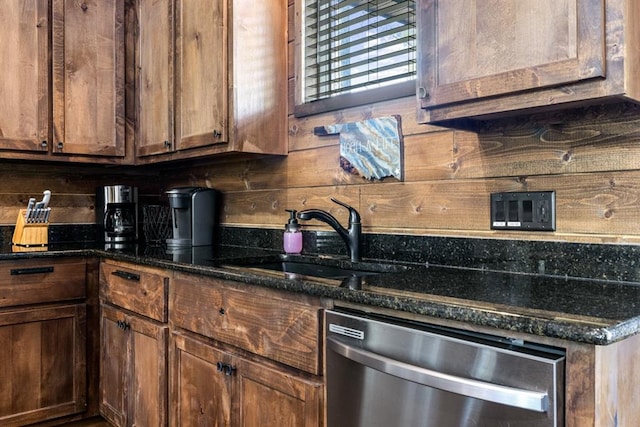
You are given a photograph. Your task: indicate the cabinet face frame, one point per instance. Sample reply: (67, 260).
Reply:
(587, 63)
(88, 86)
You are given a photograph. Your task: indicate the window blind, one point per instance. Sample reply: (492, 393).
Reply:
(357, 45)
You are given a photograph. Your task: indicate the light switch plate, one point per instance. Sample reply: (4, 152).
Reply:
(526, 210)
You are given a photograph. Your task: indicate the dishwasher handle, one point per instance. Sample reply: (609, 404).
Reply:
(519, 398)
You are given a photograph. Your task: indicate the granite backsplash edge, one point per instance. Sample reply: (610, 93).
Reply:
(615, 262)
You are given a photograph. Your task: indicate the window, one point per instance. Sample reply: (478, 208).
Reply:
(356, 51)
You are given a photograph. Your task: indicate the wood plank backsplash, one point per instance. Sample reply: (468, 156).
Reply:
(590, 157)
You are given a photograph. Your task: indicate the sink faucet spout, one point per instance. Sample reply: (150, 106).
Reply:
(350, 235)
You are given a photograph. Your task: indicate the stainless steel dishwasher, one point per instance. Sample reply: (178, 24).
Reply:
(387, 372)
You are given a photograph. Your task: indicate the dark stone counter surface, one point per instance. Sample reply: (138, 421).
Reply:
(596, 310)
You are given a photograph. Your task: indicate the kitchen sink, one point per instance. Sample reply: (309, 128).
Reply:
(315, 270)
(298, 266)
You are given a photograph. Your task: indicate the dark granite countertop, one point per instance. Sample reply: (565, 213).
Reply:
(577, 309)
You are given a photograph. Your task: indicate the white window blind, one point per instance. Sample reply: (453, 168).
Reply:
(357, 45)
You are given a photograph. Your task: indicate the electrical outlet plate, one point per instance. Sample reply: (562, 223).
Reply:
(527, 210)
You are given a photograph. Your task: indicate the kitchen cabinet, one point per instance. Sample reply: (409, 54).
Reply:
(63, 80)
(212, 386)
(43, 369)
(481, 61)
(88, 77)
(255, 360)
(24, 110)
(134, 340)
(212, 78)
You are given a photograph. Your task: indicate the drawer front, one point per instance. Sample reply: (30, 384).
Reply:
(135, 288)
(258, 320)
(36, 281)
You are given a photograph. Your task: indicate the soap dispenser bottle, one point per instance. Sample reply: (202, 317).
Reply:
(292, 234)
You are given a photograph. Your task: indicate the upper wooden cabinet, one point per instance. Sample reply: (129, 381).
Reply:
(62, 82)
(24, 41)
(88, 77)
(478, 60)
(155, 52)
(212, 78)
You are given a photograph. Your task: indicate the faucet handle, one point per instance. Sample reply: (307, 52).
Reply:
(354, 216)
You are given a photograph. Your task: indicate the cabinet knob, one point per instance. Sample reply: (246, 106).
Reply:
(167, 145)
(423, 93)
(225, 368)
(222, 311)
(217, 133)
(44, 145)
(123, 325)
(60, 145)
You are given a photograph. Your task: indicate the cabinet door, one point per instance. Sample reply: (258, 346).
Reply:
(274, 398)
(201, 394)
(471, 50)
(155, 68)
(115, 352)
(201, 73)
(148, 387)
(24, 40)
(88, 77)
(133, 377)
(42, 364)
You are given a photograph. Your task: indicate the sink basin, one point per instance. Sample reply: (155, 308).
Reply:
(315, 270)
(295, 266)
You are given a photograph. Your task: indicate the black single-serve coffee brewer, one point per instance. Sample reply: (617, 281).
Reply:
(193, 215)
(117, 215)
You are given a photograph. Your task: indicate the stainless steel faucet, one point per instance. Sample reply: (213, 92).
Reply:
(350, 235)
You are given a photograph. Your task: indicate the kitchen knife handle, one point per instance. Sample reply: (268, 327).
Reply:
(31, 270)
(126, 275)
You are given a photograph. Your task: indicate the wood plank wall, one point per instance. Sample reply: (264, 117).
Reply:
(591, 157)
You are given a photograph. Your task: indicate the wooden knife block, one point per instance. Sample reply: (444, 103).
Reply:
(29, 236)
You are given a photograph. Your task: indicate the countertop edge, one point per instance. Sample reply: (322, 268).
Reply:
(553, 328)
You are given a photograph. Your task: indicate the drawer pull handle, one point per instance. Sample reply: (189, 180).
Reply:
(225, 368)
(32, 270)
(126, 275)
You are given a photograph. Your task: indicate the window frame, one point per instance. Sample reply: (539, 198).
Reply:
(342, 101)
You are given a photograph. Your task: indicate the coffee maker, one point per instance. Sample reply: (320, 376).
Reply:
(117, 215)
(193, 214)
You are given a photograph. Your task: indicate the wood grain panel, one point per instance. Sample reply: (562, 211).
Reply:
(45, 355)
(263, 322)
(66, 281)
(301, 129)
(584, 145)
(267, 208)
(598, 204)
(135, 288)
(232, 175)
(24, 111)
(259, 77)
(88, 77)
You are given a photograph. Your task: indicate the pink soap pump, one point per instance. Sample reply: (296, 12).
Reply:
(292, 234)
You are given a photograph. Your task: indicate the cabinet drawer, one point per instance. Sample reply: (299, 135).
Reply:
(37, 281)
(135, 288)
(262, 321)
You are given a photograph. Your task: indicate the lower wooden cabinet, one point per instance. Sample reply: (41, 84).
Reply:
(43, 369)
(133, 370)
(211, 386)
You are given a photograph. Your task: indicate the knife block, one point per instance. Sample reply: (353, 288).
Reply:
(30, 236)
